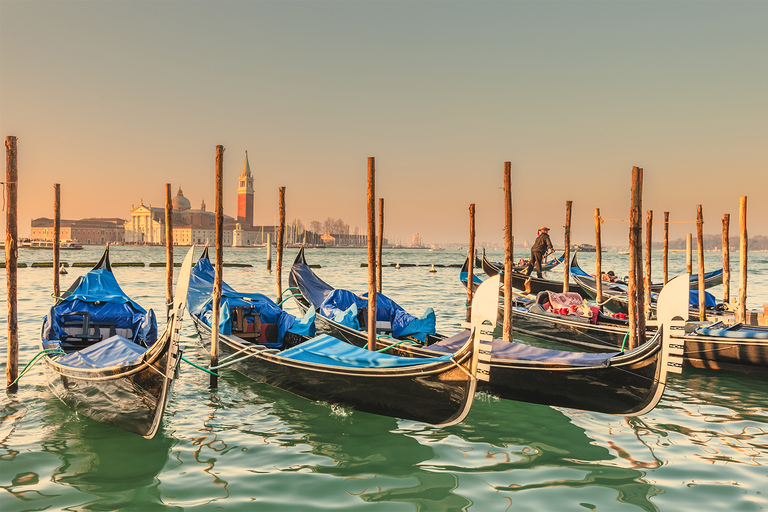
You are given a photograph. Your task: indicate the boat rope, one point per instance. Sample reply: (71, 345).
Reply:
(38, 357)
(394, 344)
(289, 297)
(602, 219)
(462, 368)
(252, 354)
(625, 340)
(61, 298)
(198, 367)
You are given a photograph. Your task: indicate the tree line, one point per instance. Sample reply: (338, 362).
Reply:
(712, 242)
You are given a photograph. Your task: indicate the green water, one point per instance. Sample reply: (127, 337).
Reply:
(246, 446)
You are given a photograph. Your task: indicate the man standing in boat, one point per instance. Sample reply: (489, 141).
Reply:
(541, 246)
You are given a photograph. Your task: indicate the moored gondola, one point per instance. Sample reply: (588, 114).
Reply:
(531, 284)
(626, 383)
(103, 355)
(491, 268)
(267, 344)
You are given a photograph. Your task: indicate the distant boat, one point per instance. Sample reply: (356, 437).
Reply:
(48, 244)
(584, 248)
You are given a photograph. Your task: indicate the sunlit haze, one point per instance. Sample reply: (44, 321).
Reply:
(114, 99)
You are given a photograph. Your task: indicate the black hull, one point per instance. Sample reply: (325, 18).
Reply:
(439, 393)
(535, 285)
(132, 398)
(716, 353)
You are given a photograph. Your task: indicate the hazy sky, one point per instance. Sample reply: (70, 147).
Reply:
(113, 99)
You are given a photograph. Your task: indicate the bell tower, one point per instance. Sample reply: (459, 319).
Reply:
(245, 195)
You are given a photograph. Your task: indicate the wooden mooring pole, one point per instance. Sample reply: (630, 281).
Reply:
(648, 252)
(471, 258)
(217, 280)
(371, 253)
(509, 250)
(741, 315)
(280, 235)
(269, 252)
(700, 244)
(11, 261)
(598, 258)
(379, 244)
(689, 253)
(56, 236)
(666, 247)
(567, 257)
(726, 258)
(636, 296)
(168, 250)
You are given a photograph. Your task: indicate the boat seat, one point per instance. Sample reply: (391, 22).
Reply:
(72, 327)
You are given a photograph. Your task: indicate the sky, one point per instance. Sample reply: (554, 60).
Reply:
(115, 99)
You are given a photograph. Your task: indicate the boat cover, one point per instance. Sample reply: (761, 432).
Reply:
(99, 294)
(314, 288)
(463, 278)
(507, 351)
(199, 298)
(719, 330)
(343, 306)
(114, 351)
(326, 350)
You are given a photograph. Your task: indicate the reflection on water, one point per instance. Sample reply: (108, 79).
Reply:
(249, 446)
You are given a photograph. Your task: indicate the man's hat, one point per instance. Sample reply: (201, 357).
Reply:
(544, 228)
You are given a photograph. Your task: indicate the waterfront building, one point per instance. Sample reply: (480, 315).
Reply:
(84, 231)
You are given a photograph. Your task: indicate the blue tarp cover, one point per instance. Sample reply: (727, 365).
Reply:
(101, 296)
(329, 351)
(200, 304)
(744, 331)
(463, 278)
(114, 351)
(519, 351)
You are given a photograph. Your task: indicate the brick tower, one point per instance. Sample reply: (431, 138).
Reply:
(245, 195)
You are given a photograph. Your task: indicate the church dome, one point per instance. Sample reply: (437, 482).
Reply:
(180, 202)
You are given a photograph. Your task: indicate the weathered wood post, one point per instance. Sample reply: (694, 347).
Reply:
(689, 253)
(471, 258)
(509, 249)
(269, 251)
(636, 308)
(168, 250)
(379, 244)
(648, 251)
(567, 257)
(217, 280)
(11, 260)
(280, 235)
(726, 259)
(743, 246)
(700, 243)
(371, 254)
(598, 258)
(56, 236)
(666, 247)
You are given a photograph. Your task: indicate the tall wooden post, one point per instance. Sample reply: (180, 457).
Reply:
(11, 260)
(56, 236)
(217, 280)
(598, 258)
(269, 252)
(743, 246)
(636, 307)
(168, 250)
(371, 254)
(648, 253)
(509, 250)
(567, 257)
(726, 258)
(666, 247)
(280, 235)
(689, 253)
(471, 258)
(700, 243)
(379, 244)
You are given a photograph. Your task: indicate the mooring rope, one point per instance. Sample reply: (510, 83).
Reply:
(289, 297)
(394, 344)
(198, 367)
(38, 357)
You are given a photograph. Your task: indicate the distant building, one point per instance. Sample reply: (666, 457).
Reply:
(84, 231)
(198, 226)
(416, 240)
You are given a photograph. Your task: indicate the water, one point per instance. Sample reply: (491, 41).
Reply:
(252, 447)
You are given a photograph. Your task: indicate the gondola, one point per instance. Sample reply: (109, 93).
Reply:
(103, 355)
(616, 295)
(728, 347)
(540, 317)
(491, 268)
(267, 344)
(530, 283)
(625, 383)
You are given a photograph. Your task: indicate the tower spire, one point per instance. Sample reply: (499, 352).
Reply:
(246, 167)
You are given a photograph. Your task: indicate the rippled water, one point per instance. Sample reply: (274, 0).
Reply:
(249, 446)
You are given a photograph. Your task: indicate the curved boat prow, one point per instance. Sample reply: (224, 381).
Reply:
(672, 312)
(485, 306)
